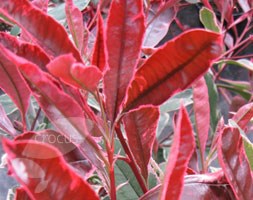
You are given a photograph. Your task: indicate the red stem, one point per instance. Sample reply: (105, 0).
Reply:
(110, 153)
(132, 162)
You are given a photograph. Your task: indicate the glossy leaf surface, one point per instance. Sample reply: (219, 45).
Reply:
(244, 115)
(173, 67)
(26, 50)
(125, 30)
(44, 174)
(202, 113)
(234, 163)
(53, 39)
(158, 24)
(99, 55)
(181, 151)
(140, 127)
(60, 108)
(13, 83)
(198, 187)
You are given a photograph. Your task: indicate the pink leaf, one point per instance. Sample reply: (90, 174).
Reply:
(125, 30)
(173, 67)
(235, 164)
(181, 151)
(13, 83)
(99, 55)
(53, 39)
(76, 74)
(43, 173)
(75, 23)
(244, 115)
(26, 50)
(5, 123)
(140, 126)
(202, 113)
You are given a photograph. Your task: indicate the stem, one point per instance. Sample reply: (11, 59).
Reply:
(157, 169)
(132, 162)
(109, 143)
(110, 153)
(35, 119)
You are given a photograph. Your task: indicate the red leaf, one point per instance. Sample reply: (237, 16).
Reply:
(202, 113)
(75, 23)
(26, 50)
(244, 115)
(21, 194)
(125, 30)
(87, 76)
(234, 163)
(181, 151)
(198, 187)
(44, 174)
(60, 108)
(140, 127)
(76, 74)
(68, 150)
(98, 55)
(159, 21)
(5, 123)
(13, 84)
(48, 33)
(173, 67)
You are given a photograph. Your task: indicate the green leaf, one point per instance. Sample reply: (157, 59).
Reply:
(248, 147)
(8, 104)
(208, 19)
(174, 102)
(124, 176)
(247, 64)
(15, 30)
(244, 93)
(213, 99)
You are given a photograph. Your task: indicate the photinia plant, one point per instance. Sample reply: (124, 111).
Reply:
(94, 95)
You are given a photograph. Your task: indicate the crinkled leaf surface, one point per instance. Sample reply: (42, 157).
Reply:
(76, 74)
(53, 39)
(234, 163)
(44, 174)
(140, 126)
(181, 151)
(125, 30)
(173, 67)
